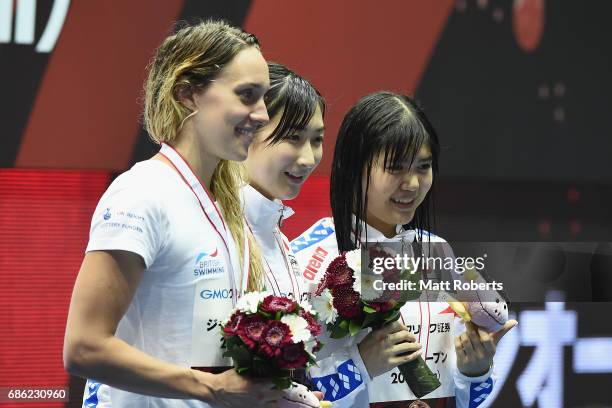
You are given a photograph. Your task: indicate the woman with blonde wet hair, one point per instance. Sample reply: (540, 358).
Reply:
(170, 231)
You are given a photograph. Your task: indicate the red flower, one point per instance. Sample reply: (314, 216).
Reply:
(251, 330)
(346, 301)
(313, 325)
(276, 336)
(389, 300)
(275, 304)
(233, 325)
(329, 280)
(317, 347)
(341, 277)
(383, 306)
(293, 356)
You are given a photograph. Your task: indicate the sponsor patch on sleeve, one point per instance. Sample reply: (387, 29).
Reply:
(338, 385)
(323, 229)
(479, 392)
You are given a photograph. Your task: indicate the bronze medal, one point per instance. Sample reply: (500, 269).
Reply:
(418, 404)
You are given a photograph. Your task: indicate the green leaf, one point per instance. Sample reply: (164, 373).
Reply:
(344, 324)
(415, 277)
(368, 309)
(371, 320)
(393, 317)
(339, 330)
(354, 327)
(419, 377)
(241, 356)
(281, 383)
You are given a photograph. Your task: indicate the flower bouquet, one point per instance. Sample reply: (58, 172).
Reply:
(270, 336)
(347, 309)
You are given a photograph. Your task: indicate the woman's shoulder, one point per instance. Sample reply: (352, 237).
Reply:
(149, 173)
(147, 179)
(148, 187)
(315, 248)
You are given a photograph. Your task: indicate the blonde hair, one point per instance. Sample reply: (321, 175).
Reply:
(227, 177)
(191, 58)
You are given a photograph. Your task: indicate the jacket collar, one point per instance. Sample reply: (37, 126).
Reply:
(373, 234)
(262, 213)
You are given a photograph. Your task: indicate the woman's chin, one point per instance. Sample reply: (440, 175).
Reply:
(404, 219)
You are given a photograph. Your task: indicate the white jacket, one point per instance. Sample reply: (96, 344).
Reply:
(264, 216)
(343, 378)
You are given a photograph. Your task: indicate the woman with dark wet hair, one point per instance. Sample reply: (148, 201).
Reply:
(383, 173)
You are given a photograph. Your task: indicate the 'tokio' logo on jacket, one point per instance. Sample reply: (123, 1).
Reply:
(208, 265)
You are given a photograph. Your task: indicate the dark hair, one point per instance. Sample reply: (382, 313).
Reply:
(381, 125)
(295, 96)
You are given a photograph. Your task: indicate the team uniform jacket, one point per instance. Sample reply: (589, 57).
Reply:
(282, 274)
(342, 376)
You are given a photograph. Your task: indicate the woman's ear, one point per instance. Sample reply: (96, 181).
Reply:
(183, 94)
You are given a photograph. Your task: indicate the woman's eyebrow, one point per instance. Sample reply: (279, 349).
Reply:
(296, 129)
(255, 85)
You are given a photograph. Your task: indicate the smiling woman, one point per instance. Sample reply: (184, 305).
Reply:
(282, 156)
(397, 192)
(389, 137)
(137, 322)
(290, 147)
(384, 166)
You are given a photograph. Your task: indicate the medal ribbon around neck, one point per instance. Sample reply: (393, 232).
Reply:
(205, 200)
(287, 266)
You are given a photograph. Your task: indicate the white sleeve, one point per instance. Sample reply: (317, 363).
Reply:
(129, 219)
(340, 373)
(472, 392)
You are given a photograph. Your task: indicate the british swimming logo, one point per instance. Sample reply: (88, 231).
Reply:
(107, 214)
(208, 265)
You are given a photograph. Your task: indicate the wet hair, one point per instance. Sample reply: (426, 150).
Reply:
(295, 97)
(191, 58)
(382, 126)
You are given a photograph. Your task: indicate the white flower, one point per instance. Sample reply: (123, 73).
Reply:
(363, 278)
(353, 260)
(249, 302)
(298, 326)
(357, 282)
(369, 293)
(325, 307)
(307, 307)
